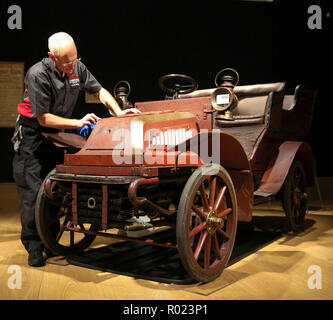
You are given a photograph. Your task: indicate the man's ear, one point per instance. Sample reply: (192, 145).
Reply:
(51, 55)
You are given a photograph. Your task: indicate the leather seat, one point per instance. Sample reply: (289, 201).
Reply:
(252, 105)
(252, 90)
(259, 107)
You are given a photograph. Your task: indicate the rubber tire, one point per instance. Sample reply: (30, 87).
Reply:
(286, 199)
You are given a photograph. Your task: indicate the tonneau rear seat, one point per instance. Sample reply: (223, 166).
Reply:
(297, 111)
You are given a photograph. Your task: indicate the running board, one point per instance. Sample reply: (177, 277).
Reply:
(263, 193)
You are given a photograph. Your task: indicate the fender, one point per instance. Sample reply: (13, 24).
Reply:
(277, 170)
(216, 147)
(65, 140)
(227, 151)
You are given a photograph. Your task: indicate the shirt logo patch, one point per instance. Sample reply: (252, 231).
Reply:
(74, 80)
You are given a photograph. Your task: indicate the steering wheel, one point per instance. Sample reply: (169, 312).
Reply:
(175, 84)
(227, 74)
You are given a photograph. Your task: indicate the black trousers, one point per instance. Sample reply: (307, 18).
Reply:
(35, 158)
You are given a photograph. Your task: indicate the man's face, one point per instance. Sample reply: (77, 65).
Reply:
(66, 60)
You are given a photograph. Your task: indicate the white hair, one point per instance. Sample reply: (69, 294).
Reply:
(58, 40)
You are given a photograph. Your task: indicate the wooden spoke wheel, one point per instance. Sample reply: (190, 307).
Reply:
(295, 196)
(51, 222)
(207, 222)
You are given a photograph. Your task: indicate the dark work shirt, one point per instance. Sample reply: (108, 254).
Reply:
(46, 91)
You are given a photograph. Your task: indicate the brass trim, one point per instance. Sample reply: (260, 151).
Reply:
(147, 118)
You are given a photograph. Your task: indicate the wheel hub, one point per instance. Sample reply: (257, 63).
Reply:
(213, 222)
(299, 196)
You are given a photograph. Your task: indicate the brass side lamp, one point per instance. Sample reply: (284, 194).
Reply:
(223, 98)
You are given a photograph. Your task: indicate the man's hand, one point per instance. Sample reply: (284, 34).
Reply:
(128, 111)
(87, 119)
(107, 99)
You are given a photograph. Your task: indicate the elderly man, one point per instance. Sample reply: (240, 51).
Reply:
(51, 90)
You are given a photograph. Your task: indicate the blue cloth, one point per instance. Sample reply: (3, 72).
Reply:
(86, 130)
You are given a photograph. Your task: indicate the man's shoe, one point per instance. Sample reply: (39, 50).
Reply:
(36, 259)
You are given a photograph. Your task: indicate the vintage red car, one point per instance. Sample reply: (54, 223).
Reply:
(194, 161)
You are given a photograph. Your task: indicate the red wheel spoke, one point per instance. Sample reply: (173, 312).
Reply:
(200, 244)
(223, 233)
(59, 234)
(219, 198)
(197, 229)
(212, 192)
(207, 252)
(293, 211)
(199, 212)
(62, 229)
(216, 247)
(297, 220)
(204, 197)
(299, 215)
(224, 213)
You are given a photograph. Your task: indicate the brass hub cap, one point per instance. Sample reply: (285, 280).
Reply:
(299, 196)
(213, 222)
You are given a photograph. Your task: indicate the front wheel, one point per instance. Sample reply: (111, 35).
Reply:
(51, 222)
(207, 222)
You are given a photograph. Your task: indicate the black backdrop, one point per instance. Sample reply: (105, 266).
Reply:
(139, 41)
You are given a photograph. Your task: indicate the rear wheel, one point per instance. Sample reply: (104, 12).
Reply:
(207, 222)
(294, 197)
(51, 222)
